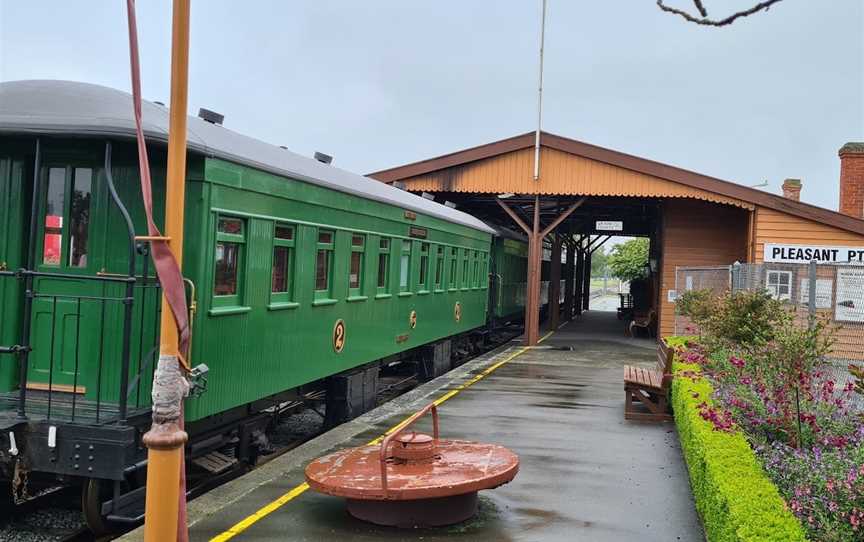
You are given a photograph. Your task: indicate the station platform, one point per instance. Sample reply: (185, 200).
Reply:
(585, 473)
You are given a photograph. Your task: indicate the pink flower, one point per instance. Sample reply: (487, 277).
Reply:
(736, 361)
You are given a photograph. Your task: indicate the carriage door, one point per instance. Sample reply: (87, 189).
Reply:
(65, 328)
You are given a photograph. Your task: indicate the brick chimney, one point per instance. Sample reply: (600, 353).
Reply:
(792, 189)
(852, 179)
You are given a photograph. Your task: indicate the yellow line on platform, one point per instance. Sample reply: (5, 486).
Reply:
(268, 509)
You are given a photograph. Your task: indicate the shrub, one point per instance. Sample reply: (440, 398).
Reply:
(698, 305)
(734, 497)
(734, 318)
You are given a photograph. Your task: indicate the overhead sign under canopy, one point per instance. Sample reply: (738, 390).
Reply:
(783, 253)
(609, 225)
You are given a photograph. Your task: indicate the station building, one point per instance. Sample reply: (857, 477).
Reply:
(583, 193)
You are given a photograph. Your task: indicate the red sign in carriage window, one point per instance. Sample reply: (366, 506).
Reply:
(53, 240)
(55, 203)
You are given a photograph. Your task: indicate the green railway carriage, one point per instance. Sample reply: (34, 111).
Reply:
(297, 271)
(308, 257)
(509, 282)
(509, 277)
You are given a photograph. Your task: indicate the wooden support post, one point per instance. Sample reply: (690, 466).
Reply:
(580, 276)
(586, 281)
(532, 302)
(535, 253)
(532, 286)
(555, 283)
(568, 281)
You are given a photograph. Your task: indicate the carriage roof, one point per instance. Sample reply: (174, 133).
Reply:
(74, 108)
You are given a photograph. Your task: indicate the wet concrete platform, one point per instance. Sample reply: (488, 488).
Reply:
(585, 474)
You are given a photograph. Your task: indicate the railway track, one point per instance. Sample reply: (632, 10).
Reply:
(56, 516)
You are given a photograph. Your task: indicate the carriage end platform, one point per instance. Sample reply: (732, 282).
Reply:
(585, 472)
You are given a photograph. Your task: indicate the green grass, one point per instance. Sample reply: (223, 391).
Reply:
(735, 498)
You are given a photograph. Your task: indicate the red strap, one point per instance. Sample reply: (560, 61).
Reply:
(166, 265)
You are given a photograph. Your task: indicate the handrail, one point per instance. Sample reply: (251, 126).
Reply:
(385, 444)
(127, 219)
(130, 283)
(23, 360)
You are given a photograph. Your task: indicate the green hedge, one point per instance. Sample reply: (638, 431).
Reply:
(734, 496)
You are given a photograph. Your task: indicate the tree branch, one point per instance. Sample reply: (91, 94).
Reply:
(701, 8)
(704, 20)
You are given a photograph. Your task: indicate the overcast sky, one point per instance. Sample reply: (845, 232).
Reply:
(382, 83)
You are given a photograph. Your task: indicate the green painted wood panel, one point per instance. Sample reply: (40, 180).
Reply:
(14, 202)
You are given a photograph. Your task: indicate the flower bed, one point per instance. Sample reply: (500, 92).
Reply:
(756, 401)
(734, 497)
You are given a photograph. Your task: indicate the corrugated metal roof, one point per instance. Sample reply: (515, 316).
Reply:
(73, 108)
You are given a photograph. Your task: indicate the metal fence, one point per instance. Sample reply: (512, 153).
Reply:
(838, 297)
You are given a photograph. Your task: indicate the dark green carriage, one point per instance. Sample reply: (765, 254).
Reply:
(309, 258)
(300, 270)
(509, 266)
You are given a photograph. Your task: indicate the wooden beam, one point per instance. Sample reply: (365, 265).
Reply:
(603, 242)
(514, 216)
(563, 216)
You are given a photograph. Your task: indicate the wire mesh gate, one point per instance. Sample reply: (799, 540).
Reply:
(838, 297)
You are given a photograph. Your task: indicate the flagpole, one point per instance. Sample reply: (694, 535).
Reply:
(539, 93)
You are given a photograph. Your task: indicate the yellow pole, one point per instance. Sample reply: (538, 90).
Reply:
(165, 439)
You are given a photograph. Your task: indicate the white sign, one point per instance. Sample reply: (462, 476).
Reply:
(782, 253)
(609, 225)
(849, 306)
(824, 289)
(671, 296)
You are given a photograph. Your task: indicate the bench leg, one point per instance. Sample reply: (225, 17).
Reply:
(657, 405)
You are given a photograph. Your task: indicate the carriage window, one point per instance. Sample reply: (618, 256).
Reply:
(405, 266)
(466, 281)
(227, 255)
(475, 282)
(55, 203)
(355, 269)
(424, 266)
(230, 238)
(439, 267)
(232, 226)
(454, 260)
(281, 257)
(284, 233)
(323, 264)
(383, 265)
(79, 217)
(283, 248)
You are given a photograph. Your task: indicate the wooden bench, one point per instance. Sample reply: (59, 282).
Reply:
(645, 322)
(649, 388)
